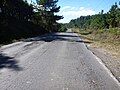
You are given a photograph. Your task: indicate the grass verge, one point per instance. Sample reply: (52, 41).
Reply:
(106, 46)
(106, 39)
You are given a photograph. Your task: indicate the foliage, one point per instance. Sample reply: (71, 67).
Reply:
(18, 19)
(102, 20)
(62, 28)
(46, 13)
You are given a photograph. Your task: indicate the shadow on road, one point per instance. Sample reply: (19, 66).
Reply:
(9, 62)
(70, 37)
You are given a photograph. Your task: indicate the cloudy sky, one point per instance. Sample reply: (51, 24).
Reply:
(72, 9)
(70, 12)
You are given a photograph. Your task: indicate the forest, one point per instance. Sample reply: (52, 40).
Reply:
(102, 29)
(108, 20)
(20, 19)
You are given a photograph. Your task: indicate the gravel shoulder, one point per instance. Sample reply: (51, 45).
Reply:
(110, 58)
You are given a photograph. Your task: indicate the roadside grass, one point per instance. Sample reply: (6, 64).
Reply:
(108, 39)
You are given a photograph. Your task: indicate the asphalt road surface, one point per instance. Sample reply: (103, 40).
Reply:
(59, 61)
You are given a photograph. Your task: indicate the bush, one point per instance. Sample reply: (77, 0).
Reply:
(62, 28)
(115, 31)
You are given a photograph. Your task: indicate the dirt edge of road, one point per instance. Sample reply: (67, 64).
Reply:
(110, 60)
(106, 67)
(107, 52)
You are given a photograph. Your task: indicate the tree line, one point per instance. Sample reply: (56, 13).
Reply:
(111, 19)
(19, 19)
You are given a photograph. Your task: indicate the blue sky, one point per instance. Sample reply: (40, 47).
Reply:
(72, 9)
(97, 5)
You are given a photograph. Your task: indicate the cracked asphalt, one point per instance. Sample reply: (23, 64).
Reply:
(58, 61)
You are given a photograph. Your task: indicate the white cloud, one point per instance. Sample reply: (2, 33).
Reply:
(29, 1)
(72, 13)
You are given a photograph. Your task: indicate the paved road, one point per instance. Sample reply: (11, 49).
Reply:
(59, 61)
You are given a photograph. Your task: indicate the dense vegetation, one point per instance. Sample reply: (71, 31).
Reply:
(102, 29)
(18, 19)
(111, 19)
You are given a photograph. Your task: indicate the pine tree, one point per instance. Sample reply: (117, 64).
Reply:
(113, 16)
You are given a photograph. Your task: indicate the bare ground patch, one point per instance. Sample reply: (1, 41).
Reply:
(109, 53)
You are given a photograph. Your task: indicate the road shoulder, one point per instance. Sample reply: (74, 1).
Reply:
(109, 53)
(111, 61)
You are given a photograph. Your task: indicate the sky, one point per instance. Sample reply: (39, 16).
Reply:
(72, 9)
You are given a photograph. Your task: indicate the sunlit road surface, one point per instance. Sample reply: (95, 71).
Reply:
(59, 61)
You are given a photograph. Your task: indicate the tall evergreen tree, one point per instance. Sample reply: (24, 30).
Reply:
(113, 16)
(48, 8)
(111, 19)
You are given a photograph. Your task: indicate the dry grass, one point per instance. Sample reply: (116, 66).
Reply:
(105, 40)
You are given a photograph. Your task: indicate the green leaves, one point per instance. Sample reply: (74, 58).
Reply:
(102, 20)
(41, 2)
(48, 18)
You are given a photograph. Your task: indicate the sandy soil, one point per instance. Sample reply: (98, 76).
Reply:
(109, 56)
